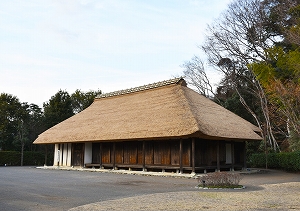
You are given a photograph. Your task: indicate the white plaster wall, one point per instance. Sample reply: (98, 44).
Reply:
(69, 155)
(55, 155)
(88, 153)
(228, 154)
(60, 155)
(65, 154)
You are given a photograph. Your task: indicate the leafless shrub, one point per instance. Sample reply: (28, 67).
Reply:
(220, 180)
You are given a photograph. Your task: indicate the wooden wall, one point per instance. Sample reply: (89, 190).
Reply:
(156, 152)
(166, 153)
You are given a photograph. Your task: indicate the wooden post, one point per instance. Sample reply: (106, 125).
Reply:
(100, 156)
(232, 156)
(218, 155)
(245, 156)
(180, 156)
(114, 155)
(136, 154)
(193, 155)
(46, 154)
(123, 153)
(144, 159)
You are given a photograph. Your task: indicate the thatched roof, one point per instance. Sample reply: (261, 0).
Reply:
(162, 110)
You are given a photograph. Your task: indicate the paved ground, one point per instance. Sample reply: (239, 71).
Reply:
(29, 188)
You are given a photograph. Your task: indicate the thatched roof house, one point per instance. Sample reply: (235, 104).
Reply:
(162, 111)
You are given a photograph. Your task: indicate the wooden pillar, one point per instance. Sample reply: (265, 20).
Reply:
(123, 144)
(232, 156)
(245, 155)
(144, 159)
(180, 156)
(193, 155)
(218, 155)
(114, 156)
(46, 154)
(137, 153)
(100, 155)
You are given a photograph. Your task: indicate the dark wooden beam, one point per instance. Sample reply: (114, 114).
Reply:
(82, 154)
(144, 157)
(232, 156)
(245, 155)
(72, 154)
(100, 152)
(218, 155)
(136, 153)
(123, 152)
(46, 153)
(114, 155)
(180, 156)
(193, 155)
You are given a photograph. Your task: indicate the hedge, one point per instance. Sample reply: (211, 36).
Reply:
(13, 158)
(289, 161)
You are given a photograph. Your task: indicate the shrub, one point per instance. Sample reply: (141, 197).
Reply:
(289, 161)
(30, 158)
(220, 180)
(10, 158)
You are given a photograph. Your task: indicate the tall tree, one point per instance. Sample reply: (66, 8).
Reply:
(11, 112)
(81, 100)
(279, 73)
(240, 37)
(36, 122)
(196, 76)
(58, 108)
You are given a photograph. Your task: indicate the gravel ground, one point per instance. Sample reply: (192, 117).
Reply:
(261, 194)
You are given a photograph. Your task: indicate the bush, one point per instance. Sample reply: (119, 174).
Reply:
(13, 158)
(289, 161)
(220, 180)
(10, 158)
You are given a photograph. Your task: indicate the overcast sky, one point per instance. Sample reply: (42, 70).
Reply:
(47, 45)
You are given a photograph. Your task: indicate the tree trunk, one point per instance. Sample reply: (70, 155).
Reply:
(22, 153)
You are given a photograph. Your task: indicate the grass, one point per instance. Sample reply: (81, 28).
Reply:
(220, 186)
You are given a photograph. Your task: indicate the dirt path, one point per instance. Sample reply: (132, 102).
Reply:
(271, 190)
(281, 197)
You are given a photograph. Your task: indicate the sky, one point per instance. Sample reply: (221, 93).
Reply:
(52, 45)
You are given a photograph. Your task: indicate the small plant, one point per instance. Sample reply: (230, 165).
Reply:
(220, 180)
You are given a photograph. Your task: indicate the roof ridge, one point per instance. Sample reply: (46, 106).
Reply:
(141, 88)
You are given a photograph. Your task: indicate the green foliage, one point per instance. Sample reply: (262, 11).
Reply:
(294, 141)
(58, 108)
(259, 160)
(13, 115)
(233, 104)
(82, 100)
(13, 158)
(289, 161)
(281, 65)
(280, 78)
(62, 105)
(21, 123)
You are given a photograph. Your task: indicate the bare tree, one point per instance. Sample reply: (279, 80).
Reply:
(196, 76)
(240, 37)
